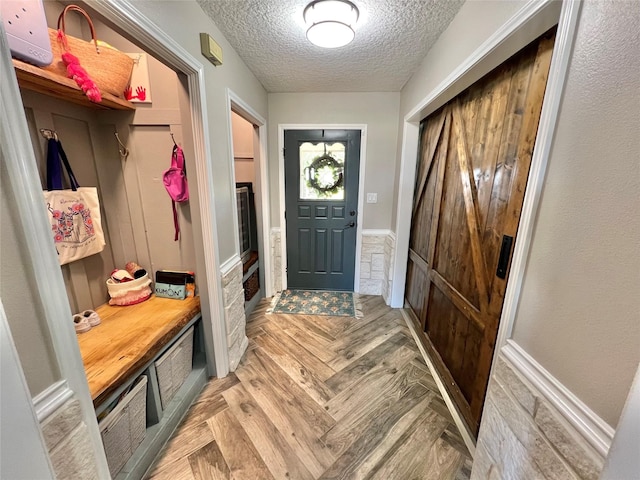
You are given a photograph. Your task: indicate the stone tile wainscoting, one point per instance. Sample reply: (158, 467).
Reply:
(523, 435)
(376, 262)
(233, 294)
(66, 436)
(276, 260)
(389, 251)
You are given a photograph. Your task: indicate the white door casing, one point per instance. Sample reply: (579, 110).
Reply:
(238, 105)
(23, 454)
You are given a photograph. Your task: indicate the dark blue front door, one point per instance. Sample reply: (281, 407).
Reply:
(321, 191)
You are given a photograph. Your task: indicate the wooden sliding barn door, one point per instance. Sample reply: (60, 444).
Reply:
(472, 172)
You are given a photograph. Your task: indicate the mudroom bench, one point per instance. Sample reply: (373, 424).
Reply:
(152, 353)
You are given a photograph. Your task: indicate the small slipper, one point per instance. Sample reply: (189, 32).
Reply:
(81, 323)
(92, 317)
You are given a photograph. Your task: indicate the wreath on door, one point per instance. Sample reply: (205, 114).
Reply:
(325, 175)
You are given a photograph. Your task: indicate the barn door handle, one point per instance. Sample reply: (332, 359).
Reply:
(505, 254)
(350, 225)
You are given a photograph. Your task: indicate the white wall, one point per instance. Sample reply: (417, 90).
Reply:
(183, 21)
(579, 308)
(379, 111)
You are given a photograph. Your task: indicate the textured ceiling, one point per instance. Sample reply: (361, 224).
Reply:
(392, 38)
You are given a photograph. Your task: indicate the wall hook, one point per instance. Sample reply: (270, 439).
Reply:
(48, 133)
(124, 151)
(172, 138)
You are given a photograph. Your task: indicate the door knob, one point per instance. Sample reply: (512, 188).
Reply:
(350, 225)
(352, 213)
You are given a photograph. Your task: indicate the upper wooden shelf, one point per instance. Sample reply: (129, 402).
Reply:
(128, 338)
(38, 80)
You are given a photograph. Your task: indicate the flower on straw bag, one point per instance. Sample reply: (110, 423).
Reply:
(74, 214)
(95, 68)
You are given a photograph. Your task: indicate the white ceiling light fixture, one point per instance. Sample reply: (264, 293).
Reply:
(330, 22)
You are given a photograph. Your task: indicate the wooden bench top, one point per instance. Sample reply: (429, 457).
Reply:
(128, 338)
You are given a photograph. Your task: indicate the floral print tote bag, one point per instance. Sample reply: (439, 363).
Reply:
(74, 214)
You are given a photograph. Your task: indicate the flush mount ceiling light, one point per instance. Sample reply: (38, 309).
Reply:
(330, 22)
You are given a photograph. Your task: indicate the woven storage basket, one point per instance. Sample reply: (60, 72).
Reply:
(251, 285)
(174, 367)
(125, 427)
(108, 68)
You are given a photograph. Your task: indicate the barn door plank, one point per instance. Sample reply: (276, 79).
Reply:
(423, 205)
(433, 232)
(466, 308)
(428, 164)
(531, 119)
(470, 196)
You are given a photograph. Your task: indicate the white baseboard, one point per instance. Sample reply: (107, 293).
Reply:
(49, 401)
(586, 422)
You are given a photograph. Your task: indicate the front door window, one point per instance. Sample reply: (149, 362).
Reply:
(322, 171)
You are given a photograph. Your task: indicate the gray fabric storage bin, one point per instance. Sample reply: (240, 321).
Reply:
(174, 367)
(124, 428)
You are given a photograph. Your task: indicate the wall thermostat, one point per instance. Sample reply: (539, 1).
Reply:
(210, 49)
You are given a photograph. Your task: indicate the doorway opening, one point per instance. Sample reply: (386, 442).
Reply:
(321, 189)
(251, 202)
(280, 254)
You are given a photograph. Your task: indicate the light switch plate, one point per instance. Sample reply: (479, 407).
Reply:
(372, 198)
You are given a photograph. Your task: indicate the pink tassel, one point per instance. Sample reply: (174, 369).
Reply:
(81, 77)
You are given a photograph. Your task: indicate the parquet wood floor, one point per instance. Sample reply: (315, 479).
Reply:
(319, 397)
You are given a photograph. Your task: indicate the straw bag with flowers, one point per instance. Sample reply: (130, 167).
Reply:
(94, 67)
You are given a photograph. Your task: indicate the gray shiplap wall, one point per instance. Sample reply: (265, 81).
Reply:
(136, 210)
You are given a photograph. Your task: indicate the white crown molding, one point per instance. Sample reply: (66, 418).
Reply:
(230, 264)
(586, 422)
(50, 400)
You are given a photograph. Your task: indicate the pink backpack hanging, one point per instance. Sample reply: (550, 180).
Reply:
(175, 181)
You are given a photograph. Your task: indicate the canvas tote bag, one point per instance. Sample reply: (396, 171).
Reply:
(74, 214)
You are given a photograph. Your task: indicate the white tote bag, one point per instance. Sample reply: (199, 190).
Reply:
(74, 214)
